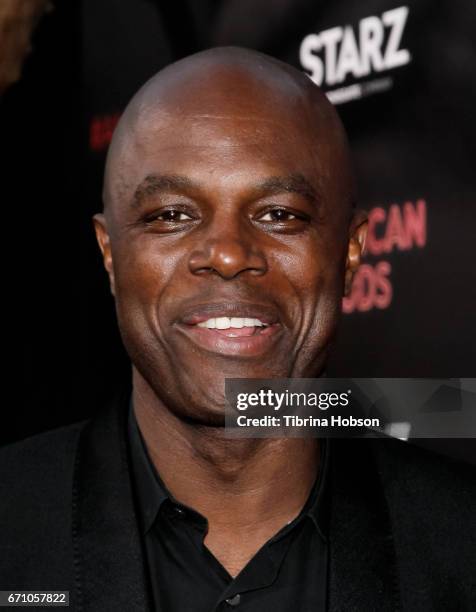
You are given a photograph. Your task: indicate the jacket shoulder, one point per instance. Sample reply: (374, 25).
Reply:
(38, 460)
(36, 489)
(431, 501)
(412, 470)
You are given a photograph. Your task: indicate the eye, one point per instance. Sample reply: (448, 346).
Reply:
(166, 220)
(171, 215)
(279, 214)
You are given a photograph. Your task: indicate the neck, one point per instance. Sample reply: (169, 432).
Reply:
(247, 489)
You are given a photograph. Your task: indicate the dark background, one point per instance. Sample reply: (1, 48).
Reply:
(412, 142)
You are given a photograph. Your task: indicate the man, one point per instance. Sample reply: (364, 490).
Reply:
(229, 235)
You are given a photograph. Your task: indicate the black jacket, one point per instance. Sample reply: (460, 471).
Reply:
(402, 531)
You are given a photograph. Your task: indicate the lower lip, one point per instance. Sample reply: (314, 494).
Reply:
(245, 346)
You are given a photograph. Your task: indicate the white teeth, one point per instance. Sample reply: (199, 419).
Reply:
(235, 322)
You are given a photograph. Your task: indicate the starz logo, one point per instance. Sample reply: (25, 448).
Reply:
(337, 54)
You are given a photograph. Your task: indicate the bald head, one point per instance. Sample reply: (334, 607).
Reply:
(234, 88)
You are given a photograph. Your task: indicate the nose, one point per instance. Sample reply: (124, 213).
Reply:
(227, 256)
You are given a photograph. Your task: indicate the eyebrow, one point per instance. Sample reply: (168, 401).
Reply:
(160, 183)
(293, 183)
(163, 183)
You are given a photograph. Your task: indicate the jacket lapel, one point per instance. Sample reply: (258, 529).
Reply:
(109, 566)
(362, 564)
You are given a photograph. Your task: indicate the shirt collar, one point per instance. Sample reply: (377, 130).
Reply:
(152, 493)
(150, 490)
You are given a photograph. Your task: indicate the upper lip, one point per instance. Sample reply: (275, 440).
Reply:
(202, 312)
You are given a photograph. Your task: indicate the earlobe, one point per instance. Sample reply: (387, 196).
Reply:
(358, 235)
(102, 236)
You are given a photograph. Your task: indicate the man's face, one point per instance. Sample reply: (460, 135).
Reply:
(226, 252)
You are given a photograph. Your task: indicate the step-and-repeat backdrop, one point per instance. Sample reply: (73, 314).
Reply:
(402, 76)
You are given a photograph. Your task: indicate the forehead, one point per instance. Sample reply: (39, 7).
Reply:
(209, 145)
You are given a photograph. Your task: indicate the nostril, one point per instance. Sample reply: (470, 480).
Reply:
(257, 272)
(203, 270)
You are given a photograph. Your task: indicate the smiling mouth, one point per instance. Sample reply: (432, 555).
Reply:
(233, 336)
(235, 327)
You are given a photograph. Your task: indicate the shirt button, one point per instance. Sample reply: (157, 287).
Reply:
(179, 511)
(234, 601)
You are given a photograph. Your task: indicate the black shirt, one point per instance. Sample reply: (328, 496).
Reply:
(288, 573)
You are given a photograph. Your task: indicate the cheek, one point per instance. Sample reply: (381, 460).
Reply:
(321, 304)
(326, 287)
(141, 270)
(315, 281)
(313, 270)
(141, 276)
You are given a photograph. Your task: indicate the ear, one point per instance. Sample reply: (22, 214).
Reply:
(102, 236)
(357, 237)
